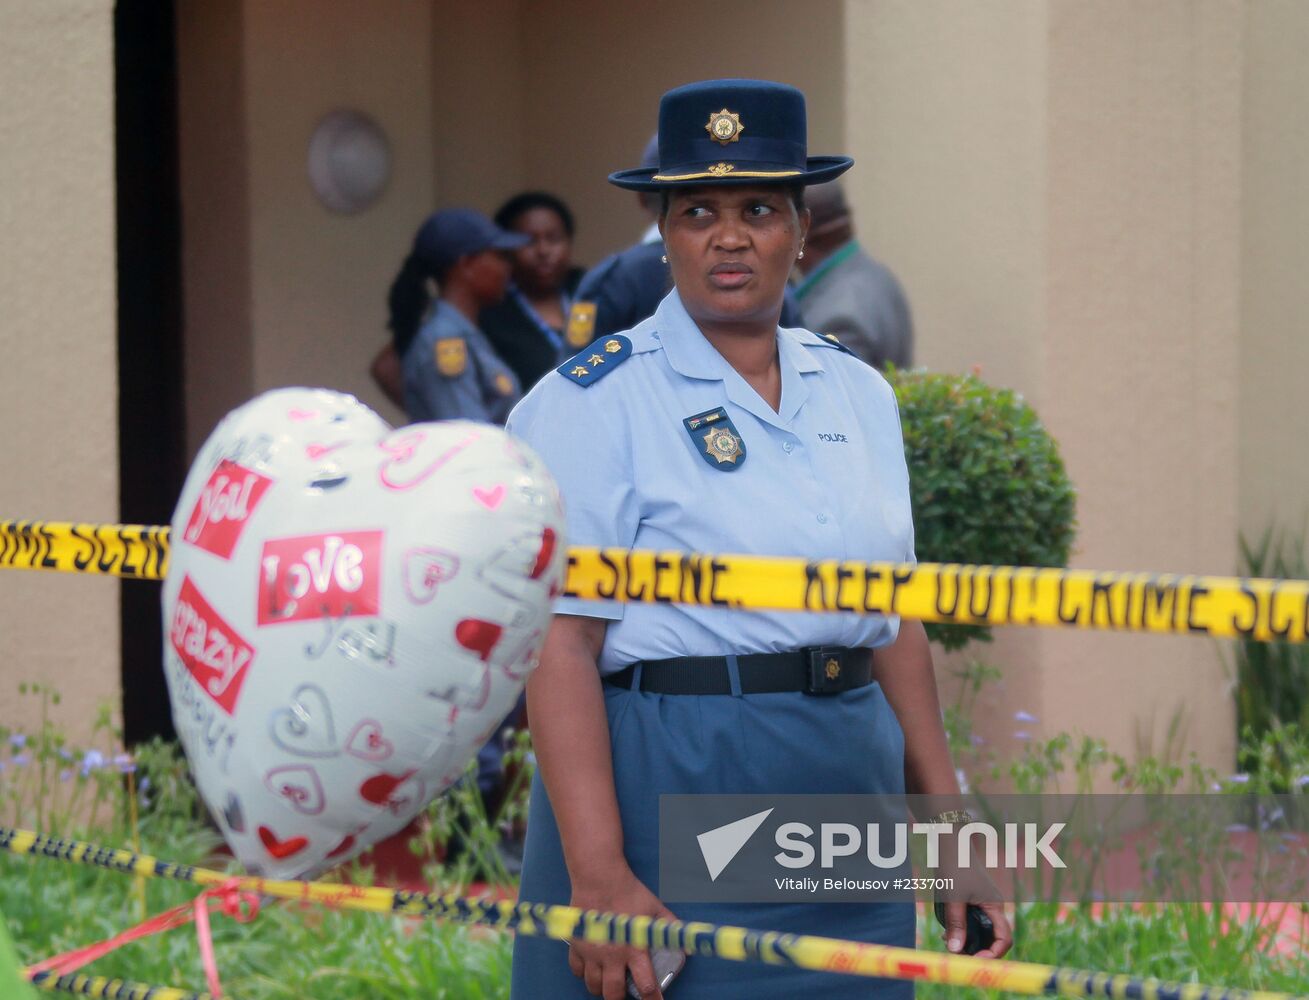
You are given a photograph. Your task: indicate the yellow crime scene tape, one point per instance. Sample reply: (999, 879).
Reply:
(1218, 606)
(737, 944)
(109, 988)
(134, 551)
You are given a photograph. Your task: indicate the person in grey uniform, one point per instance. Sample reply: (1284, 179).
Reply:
(710, 428)
(627, 287)
(450, 369)
(845, 292)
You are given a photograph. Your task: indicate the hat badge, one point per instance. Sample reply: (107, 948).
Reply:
(724, 126)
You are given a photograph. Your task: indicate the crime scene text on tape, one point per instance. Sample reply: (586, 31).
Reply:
(133, 551)
(1219, 606)
(564, 923)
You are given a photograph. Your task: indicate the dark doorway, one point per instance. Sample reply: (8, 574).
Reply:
(151, 430)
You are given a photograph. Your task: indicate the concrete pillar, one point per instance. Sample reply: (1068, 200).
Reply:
(1274, 265)
(1059, 185)
(59, 410)
(278, 289)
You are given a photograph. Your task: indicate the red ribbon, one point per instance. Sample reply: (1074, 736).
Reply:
(240, 906)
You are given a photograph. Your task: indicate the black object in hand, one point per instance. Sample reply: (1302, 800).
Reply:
(979, 932)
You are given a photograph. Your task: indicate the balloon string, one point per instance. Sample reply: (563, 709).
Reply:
(227, 897)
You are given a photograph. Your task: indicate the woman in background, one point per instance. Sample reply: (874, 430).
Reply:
(449, 369)
(527, 328)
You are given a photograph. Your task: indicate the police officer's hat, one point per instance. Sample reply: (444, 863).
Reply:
(452, 233)
(732, 132)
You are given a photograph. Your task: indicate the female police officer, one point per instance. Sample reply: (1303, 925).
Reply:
(708, 428)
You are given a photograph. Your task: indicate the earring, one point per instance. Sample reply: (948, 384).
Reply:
(664, 258)
(800, 256)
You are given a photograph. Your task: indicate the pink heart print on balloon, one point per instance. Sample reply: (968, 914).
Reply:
(348, 610)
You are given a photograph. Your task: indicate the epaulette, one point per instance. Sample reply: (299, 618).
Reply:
(596, 361)
(833, 342)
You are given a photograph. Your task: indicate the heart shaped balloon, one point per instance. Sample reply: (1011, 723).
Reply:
(349, 612)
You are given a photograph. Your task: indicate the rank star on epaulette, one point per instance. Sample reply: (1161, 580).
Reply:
(596, 360)
(716, 440)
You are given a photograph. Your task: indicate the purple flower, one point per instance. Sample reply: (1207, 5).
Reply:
(144, 783)
(93, 760)
(18, 741)
(1023, 735)
(124, 763)
(22, 760)
(976, 740)
(1239, 779)
(1021, 716)
(65, 753)
(1303, 780)
(65, 775)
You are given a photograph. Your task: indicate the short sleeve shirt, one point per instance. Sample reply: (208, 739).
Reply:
(451, 372)
(823, 477)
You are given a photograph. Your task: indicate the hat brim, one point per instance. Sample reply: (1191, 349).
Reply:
(509, 241)
(817, 170)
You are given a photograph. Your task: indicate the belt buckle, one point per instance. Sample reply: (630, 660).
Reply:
(827, 670)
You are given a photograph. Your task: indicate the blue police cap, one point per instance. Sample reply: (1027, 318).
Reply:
(452, 233)
(732, 132)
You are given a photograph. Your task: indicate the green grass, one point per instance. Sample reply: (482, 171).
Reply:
(1181, 942)
(297, 950)
(291, 950)
(288, 950)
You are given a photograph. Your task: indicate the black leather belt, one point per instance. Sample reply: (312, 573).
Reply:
(813, 670)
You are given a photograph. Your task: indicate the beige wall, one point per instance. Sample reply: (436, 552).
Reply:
(947, 127)
(59, 406)
(278, 290)
(479, 78)
(1141, 348)
(1274, 409)
(319, 279)
(1058, 185)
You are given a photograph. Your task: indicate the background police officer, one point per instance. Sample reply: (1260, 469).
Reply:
(450, 369)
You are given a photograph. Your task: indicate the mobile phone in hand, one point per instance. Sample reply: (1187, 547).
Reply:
(979, 932)
(667, 964)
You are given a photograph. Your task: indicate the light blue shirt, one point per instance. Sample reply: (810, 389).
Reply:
(484, 387)
(824, 477)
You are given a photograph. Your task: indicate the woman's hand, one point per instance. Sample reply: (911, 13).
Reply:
(956, 928)
(603, 967)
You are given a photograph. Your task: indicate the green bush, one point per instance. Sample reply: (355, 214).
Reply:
(986, 480)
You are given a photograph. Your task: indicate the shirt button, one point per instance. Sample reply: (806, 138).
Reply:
(788, 446)
(822, 518)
